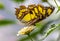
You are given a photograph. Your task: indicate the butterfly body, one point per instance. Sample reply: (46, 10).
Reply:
(33, 13)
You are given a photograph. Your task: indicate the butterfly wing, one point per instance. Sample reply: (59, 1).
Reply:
(32, 14)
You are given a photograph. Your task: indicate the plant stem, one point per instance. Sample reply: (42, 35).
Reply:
(56, 3)
(30, 37)
(57, 6)
(49, 32)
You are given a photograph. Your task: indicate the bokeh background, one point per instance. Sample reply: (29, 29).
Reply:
(9, 25)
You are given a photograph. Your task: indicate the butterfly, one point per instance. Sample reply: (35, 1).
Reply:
(33, 13)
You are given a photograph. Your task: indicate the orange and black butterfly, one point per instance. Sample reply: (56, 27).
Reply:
(33, 13)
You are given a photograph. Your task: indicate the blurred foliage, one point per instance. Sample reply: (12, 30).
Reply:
(58, 9)
(6, 22)
(1, 6)
(57, 6)
(52, 28)
(18, 1)
(53, 25)
(44, 0)
(38, 25)
(39, 30)
(58, 26)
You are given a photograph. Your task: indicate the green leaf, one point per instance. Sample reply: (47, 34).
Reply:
(44, 0)
(58, 9)
(18, 1)
(57, 6)
(53, 27)
(6, 22)
(58, 26)
(50, 30)
(38, 25)
(1, 6)
(38, 30)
